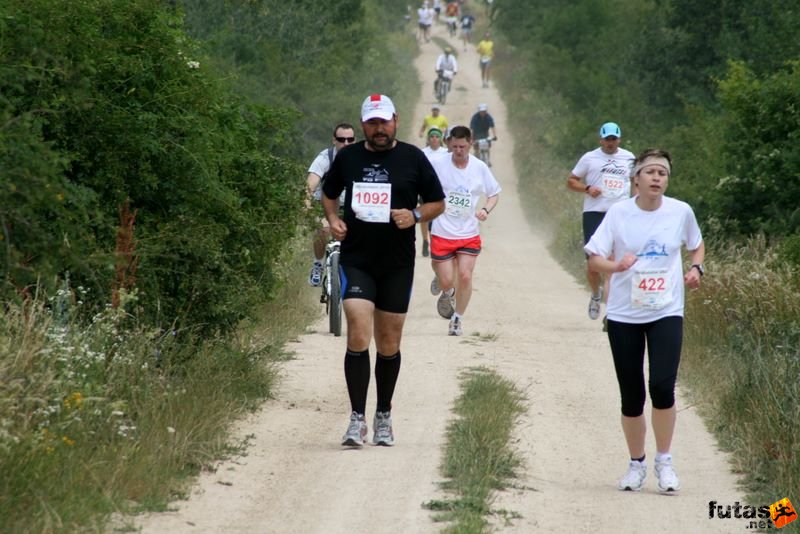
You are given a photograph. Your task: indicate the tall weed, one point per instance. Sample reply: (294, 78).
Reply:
(742, 336)
(110, 416)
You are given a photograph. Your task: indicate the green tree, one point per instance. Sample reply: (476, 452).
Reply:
(760, 191)
(121, 106)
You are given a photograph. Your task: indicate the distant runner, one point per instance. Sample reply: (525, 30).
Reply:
(485, 54)
(603, 177)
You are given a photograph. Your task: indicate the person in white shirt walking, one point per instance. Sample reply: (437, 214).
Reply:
(455, 235)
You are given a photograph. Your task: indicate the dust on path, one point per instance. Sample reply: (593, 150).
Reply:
(527, 320)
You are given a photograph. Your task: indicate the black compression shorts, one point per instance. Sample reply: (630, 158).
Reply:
(388, 289)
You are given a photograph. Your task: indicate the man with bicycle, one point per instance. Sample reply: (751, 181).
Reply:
(482, 126)
(343, 135)
(383, 179)
(446, 64)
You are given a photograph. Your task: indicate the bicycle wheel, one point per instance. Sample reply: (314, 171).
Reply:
(444, 86)
(335, 298)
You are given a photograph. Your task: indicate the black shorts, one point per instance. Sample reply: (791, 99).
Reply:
(388, 289)
(591, 220)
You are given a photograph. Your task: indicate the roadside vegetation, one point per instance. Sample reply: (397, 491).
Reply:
(717, 85)
(479, 459)
(154, 247)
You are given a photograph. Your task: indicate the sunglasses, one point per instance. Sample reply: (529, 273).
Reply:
(346, 139)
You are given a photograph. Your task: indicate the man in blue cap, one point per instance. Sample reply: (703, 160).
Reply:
(602, 176)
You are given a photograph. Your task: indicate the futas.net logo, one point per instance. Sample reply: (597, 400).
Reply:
(776, 515)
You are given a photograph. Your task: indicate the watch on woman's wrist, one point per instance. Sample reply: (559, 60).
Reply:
(700, 268)
(417, 215)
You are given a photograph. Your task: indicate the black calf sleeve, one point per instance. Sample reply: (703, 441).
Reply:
(387, 368)
(356, 374)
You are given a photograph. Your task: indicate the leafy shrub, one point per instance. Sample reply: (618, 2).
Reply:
(108, 101)
(761, 151)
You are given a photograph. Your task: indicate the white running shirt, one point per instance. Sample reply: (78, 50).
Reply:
(610, 172)
(655, 237)
(463, 189)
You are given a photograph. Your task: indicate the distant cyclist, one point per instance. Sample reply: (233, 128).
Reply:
(445, 62)
(482, 126)
(486, 54)
(343, 135)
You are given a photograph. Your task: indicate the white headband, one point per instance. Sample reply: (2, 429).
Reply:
(652, 160)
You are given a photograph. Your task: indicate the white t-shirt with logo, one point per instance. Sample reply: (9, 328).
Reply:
(609, 172)
(653, 287)
(463, 189)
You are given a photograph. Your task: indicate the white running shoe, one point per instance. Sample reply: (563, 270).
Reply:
(455, 328)
(356, 433)
(315, 278)
(634, 478)
(446, 305)
(435, 289)
(594, 305)
(667, 478)
(382, 427)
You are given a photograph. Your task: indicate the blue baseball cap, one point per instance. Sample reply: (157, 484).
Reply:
(609, 129)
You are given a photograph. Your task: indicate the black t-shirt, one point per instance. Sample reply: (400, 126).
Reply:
(480, 126)
(411, 175)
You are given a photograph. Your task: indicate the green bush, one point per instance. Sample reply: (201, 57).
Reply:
(760, 192)
(109, 102)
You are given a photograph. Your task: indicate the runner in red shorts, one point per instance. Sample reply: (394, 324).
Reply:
(455, 235)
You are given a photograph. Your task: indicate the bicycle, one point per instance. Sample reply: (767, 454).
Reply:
(332, 288)
(484, 146)
(445, 79)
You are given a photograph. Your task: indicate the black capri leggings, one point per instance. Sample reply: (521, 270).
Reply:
(663, 341)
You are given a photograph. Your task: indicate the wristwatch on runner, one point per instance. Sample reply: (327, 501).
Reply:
(700, 268)
(417, 215)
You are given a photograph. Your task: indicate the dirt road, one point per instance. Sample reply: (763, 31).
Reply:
(527, 320)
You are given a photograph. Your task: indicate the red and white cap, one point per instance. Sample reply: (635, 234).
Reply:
(377, 107)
